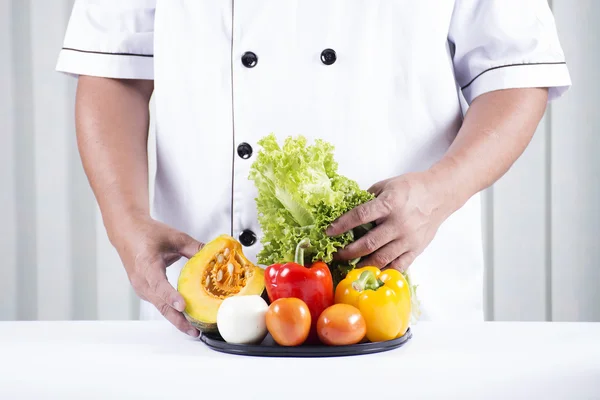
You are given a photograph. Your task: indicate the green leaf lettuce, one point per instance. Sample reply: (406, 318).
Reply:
(299, 194)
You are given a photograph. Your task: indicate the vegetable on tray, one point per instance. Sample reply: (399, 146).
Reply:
(241, 319)
(288, 321)
(341, 325)
(383, 298)
(313, 297)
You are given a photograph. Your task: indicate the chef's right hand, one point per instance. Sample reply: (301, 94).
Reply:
(147, 247)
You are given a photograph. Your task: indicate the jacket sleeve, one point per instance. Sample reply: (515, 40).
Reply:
(109, 38)
(502, 44)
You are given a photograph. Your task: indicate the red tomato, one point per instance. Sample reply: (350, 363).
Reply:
(341, 324)
(288, 321)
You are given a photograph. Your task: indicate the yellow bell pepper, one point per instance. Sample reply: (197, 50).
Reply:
(383, 298)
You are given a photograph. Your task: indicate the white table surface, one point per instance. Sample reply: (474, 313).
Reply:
(150, 360)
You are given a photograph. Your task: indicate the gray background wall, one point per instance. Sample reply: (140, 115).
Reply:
(542, 218)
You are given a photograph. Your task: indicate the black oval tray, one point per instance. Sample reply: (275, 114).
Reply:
(269, 348)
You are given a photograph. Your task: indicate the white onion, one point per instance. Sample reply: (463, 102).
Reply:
(241, 319)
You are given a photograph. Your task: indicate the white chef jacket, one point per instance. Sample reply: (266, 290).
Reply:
(385, 81)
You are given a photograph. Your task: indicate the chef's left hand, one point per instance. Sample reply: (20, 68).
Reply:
(407, 210)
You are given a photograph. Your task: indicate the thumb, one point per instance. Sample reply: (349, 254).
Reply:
(187, 246)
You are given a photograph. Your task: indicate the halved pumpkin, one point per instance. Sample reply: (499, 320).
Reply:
(219, 270)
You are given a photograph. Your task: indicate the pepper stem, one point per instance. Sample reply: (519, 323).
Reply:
(299, 257)
(367, 281)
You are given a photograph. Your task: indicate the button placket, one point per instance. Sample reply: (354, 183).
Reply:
(244, 150)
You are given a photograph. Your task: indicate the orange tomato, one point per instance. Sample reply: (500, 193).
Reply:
(288, 321)
(341, 324)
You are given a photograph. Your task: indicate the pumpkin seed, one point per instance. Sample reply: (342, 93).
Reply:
(220, 275)
(230, 268)
(226, 252)
(220, 258)
(238, 258)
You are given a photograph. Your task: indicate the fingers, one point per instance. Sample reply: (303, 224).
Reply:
(377, 188)
(166, 299)
(161, 247)
(403, 262)
(186, 245)
(159, 287)
(385, 255)
(155, 289)
(363, 214)
(177, 319)
(372, 241)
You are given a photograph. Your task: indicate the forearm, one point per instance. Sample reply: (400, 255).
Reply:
(496, 130)
(112, 119)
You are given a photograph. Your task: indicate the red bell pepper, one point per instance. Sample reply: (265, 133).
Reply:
(313, 285)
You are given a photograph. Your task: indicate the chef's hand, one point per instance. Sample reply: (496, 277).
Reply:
(112, 135)
(407, 210)
(147, 247)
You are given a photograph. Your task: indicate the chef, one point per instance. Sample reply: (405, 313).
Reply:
(426, 102)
